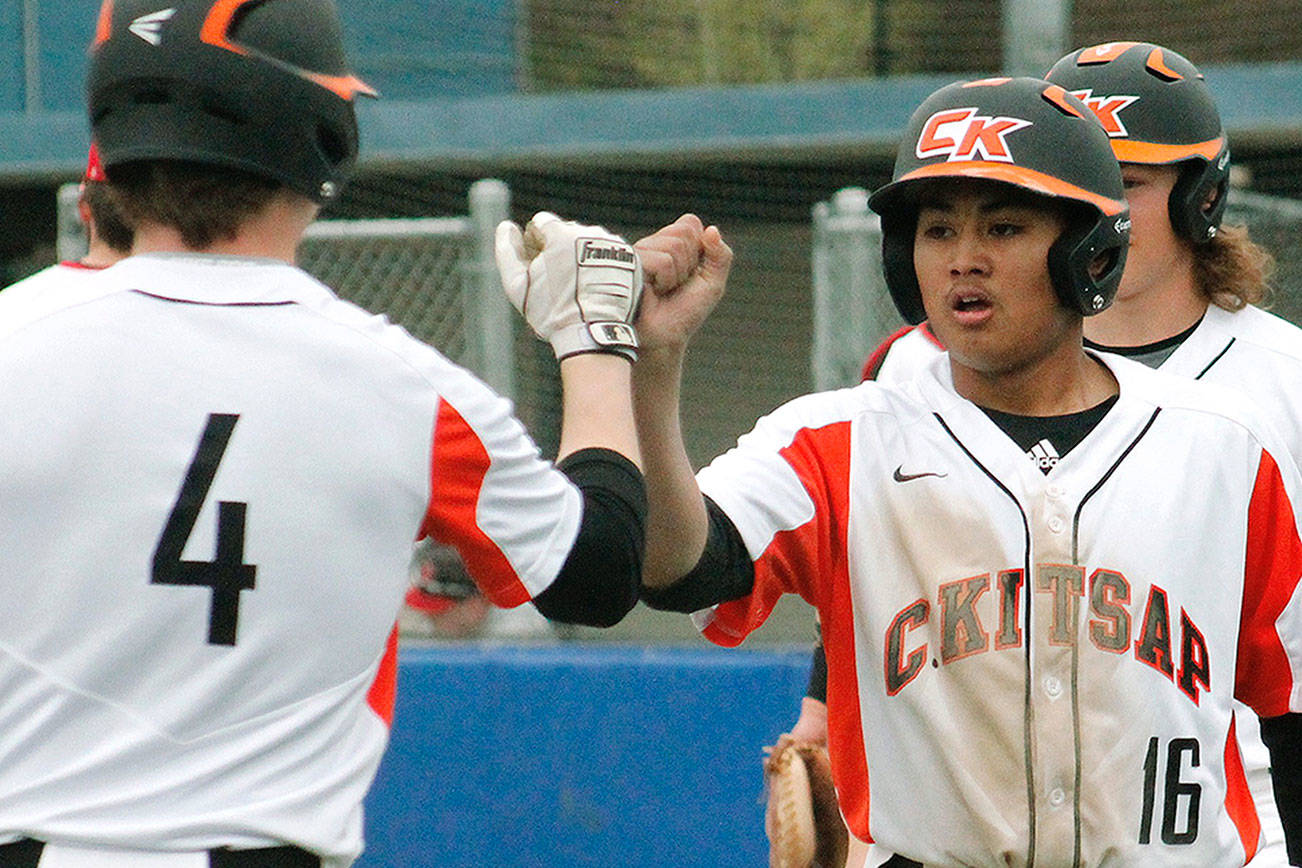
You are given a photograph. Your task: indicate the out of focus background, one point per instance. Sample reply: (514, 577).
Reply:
(519, 743)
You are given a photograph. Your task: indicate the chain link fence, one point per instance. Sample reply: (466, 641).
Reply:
(806, 305)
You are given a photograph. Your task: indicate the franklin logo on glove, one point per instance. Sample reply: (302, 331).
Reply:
(578, 286)
(602, 252)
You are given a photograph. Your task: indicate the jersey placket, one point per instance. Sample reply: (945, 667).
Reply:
(1054, 596)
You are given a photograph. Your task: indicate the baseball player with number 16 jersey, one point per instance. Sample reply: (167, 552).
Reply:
(1024, 667)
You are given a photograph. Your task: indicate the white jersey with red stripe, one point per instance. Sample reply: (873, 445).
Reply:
(214, 472)
(54, 277)
(1250, 350)
(1030, 668)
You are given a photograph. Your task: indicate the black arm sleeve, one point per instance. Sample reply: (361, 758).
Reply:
(1283, 735)
(817, 688)
(598, 582)
(723, 573)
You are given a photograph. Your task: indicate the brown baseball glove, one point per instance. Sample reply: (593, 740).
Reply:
(802, 819)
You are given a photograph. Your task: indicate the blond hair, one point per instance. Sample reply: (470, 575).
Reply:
(1232, 271)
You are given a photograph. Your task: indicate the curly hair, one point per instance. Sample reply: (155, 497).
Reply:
(1232, 271)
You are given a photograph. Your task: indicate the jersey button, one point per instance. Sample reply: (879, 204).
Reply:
(1055, 491)
(1057, 797)
(1053, 686)
(1056, 524)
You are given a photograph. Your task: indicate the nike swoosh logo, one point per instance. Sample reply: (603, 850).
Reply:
(899, 476)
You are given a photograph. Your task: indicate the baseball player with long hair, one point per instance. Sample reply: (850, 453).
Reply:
(1187, 303)
(214, 468)
(1027, 665)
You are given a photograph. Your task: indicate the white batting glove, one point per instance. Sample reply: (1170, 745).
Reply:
(577, 286)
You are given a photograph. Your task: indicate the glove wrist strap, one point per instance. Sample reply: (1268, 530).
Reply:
(596, 337)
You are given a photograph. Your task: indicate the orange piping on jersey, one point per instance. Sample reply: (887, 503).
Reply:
(385, 686)
(458, 464)
(1263, 677)
(1131, 151)
(811, 561)
(1104, 53)
(1157, 63)
(925, 328)
(1058, 97)
(1238, 798)
(104, 27)
(218, 24)
(1019, 175)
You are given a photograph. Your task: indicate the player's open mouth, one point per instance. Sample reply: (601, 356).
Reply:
(970, 305)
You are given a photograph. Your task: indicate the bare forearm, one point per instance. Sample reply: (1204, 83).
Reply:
(597, 409)
(677, 525)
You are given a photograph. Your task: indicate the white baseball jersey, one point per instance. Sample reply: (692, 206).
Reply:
(1030, 668)
(1251, 351)
(53, 277)
(214, 471)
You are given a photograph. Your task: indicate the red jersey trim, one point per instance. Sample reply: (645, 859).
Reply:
(811, 560)
(874, 363)
(1264, 678)
(873, 366)
(385, 686)
(458, 465)
(1239, 803)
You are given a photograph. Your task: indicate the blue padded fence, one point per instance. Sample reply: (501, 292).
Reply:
(580, 755)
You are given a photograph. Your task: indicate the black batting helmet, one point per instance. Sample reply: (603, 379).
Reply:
(257, 85)
(1157, 110)
(1027, 133)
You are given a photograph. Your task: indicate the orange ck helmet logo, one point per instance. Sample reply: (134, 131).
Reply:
(962, 134)
(1107, 109)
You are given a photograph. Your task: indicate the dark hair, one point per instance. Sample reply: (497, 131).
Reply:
(106, 215)
(1231, 270)
(204, 203)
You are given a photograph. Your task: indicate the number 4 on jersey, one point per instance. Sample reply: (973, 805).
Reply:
(226, 574)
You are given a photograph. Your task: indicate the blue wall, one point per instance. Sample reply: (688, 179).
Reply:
(407, 49)
(580, 756)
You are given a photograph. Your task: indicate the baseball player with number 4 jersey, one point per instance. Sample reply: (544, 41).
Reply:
(215, 469)
(1026, 666)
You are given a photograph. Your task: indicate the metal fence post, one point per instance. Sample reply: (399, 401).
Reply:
(1035, 35)
(491, 321)
(71, 242)
(851, 310)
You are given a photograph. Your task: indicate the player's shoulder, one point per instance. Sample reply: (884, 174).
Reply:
(870, 403)
(1261, 330)
(902, 354)
(1203, 402)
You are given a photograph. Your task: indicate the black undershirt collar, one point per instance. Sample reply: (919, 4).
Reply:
(1046, 439)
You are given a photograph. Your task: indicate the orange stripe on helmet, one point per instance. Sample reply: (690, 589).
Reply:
(1020, 176)
(1103, 53)
(1058, 96)
(218, 24)
(988, 82)
(104, 28)
(345, 86)
(1157, 63)
(1131, 151)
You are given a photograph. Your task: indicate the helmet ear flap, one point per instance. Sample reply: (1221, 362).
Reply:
(1191, 216)
(1087, 260)
(898, 227)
